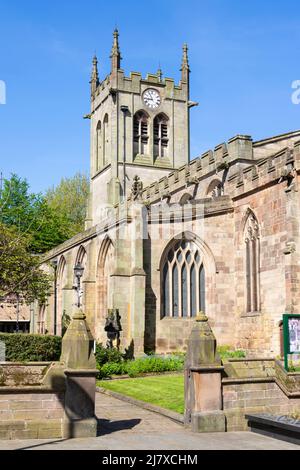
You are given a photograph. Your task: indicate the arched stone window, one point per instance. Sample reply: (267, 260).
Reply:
(252, 255)
(106, 140)
(215, 189)
(161, 136)
(140, 134)
(99, 147)
(183, 281)
(185, 199)
(82, 259)
(105, 268)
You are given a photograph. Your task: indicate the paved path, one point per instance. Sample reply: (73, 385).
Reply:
(126, 427)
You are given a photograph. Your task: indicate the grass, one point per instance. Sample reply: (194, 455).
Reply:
(166, 391)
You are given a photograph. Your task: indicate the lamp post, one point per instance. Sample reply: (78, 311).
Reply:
(124, 110)
(54, 266)
(78, 271)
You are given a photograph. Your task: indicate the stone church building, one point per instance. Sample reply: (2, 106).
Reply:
(167, 236)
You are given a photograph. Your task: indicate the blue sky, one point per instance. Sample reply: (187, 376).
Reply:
(243, 56)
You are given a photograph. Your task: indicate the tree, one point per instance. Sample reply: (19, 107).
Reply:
(69, 201)
(20, 271)
(18, 207)
(30, 214)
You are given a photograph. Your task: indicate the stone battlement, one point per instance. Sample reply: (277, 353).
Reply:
(238, 158)
(134, 84)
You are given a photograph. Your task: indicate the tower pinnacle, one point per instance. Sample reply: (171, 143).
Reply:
(115, 52)
(185, 68)
(94, 76)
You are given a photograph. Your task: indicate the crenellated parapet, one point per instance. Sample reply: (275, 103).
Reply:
(135, 83)
(233, 161)
(277, 168)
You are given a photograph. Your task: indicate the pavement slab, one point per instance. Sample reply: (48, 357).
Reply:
(124, 426)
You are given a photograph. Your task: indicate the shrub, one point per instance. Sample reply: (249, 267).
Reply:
(226, 352)
(111, 368)
(104, 355)
(154, 364)
(31, 347)
(141, 366)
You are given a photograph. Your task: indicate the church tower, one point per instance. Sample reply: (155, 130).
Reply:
(139, 126)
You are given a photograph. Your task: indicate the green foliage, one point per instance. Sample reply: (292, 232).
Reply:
(294, 366)
(30, 214)
(227, 352)
(143, 365)
(112, 368)
(69, 201)
(153, 364)
(29, 347)
(104, 355)
(20, 272)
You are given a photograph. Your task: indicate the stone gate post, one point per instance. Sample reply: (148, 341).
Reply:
(80, 371)
(203, 392)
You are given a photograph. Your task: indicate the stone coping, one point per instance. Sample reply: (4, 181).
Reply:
(285, 390)
(7, 363)
(82, 372)
(177, 417)
(27, 389)
(245, 380)
(209, 368)
(250, 359)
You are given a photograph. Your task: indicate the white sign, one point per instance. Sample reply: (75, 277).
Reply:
(294, 334)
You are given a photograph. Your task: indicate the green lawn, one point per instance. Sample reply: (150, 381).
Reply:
(166, 391)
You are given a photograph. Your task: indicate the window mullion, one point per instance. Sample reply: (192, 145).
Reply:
(188, 290)
(140, 137)
(170, 267)
(197, 286)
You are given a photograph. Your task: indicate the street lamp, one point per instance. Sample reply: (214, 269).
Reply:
(78, 271)
(124, 110)
(53, 264)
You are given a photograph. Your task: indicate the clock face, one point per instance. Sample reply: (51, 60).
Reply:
(151, 98)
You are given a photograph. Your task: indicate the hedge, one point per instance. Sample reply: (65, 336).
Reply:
(141, 366)
(22, 347)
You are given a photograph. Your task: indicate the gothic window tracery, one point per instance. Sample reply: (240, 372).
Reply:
(98, 146)
(161, 136)
(252, 237)
(140, 134)
(106, 139)
(183, 281)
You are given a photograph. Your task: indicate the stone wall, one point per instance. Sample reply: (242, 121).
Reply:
(32, 400)
(258, 386)
(29, 413)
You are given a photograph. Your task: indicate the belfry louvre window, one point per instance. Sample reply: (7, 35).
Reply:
(161, 136)
(252, 264)
(140, 134)
(183, 281)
